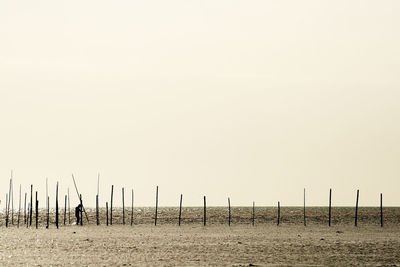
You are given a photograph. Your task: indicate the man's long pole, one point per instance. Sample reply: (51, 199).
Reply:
(77, 192)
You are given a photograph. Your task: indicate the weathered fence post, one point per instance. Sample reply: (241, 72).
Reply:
(37, 210)
(132, 210)
(65, 209)
(47, 204)
(180, 211)
(19, 205)
(97, 209)
(381, 211)
(57, 205)
(7, 204)
(155, 217)
(30, 210)
(112, 194)
(81, 210)
(25, 220)
(97, 200)
(107, 213)
(356, 215)
(229, 211)
(12, 199)
(123, 206)
(69, 208)
(279, 212)
(205, 212)
(253, 217)
(330, 206)
(304, 209)
(48, 213)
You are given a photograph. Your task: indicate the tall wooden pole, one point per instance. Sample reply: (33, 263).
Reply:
(65, 209)
(9, 203)
(48, 213)
(25, 220)
(304, 209)
(12, 199)
(97, 209)
(112, 194)
(97, 200)
(253, 217)
(7, 210)
(205, 212)
(381, 210)
(123, 206)
(155, 217)
(19, 205)
(356, 215)
(180, 211)
(81, 209)
(229, 211)
(47, 205)
(30, 210)
(37, 210)
(132, 210)
(69, 208)
(57, 205)
(279, 212)
(107, 213)
(330, 207)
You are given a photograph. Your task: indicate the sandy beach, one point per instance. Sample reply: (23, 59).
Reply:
(217, 244)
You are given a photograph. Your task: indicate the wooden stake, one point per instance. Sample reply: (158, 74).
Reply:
(37, 211)
(229, 211)
(123, 206)
(19, 205)
(112, 193)
(205, 212)
(252, 220)
(97, 210)
(381, 210)
(27, 223)
(132, 210)
(47, 205)
(9, 203)
(279, 212)
(81, 209)
(97, 200)
(7, 210)
(356, 215)
(69, 208)
(107, 213)
(57, 205)
(12, 199)
(65, 210)
(155, 217)
(180, 211)
(30, 209)
(304, 210)
(48, 213)
(25, 220)
(330, 207)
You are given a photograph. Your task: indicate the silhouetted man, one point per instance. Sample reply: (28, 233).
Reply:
(78, 210)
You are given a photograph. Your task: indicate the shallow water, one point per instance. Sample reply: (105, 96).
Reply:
(239, 215)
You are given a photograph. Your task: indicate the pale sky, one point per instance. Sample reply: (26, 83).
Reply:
(254, 100)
